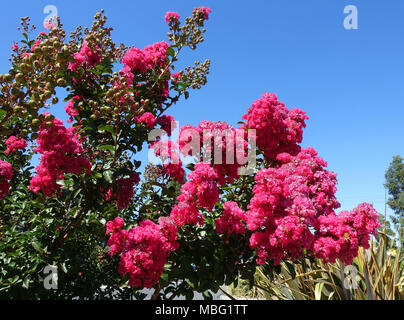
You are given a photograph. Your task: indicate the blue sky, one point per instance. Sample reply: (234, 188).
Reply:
(350, 82)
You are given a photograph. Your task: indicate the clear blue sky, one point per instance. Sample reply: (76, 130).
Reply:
(350, 82)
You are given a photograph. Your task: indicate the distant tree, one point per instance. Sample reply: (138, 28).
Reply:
(395, 185)
(386, 226)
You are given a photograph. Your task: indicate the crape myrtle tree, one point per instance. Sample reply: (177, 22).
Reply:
(84, 209)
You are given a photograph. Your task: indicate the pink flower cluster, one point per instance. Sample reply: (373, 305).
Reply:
(287, 204)
(175, 171)
(144, 249)
(147, 118)
(13, 144)
(48, 24)
(200, 191)
(143, 60)
(176, 76)
(172, 16)
(231, 219)
(277, 128)
(203, 10)
(168, 151)
(71, 108)
(36, 44)
(85, 57)
(6, 174)
(167, 123)
(61, 153)
(340, 236)
(215, 140)
(123, 193)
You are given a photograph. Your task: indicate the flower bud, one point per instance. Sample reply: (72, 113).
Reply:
(7, 77)
(24, 67)
(18, 109)
(19, 77)
(24, 133)
(61, 82)
(49, 117)
(48, 124)
(38, 51)
(36, 122)
(36, 64)
(56, 44)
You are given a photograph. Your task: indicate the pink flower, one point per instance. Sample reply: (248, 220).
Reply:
(134, 58)
(85, 57)
(14, 47)
(72, 108)
(115, 225)
(278, 130)
(14, 144)
(172, 15)
(148, 119)
(174, 171)
(203, 10)
(230, 221)
(165, 149)
(339, 236)
(167, 123)
(48, 24)
(116, 242)
(156, 54)
(222, 138)
(200, 192)
(287, 203)
(123, 193)
(143, 60)
(61, 153)
(176, 76)
(185, 212)
(144, 250)
(36, 44)
(6, 174)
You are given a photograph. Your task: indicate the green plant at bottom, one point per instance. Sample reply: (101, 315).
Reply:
(375, 274)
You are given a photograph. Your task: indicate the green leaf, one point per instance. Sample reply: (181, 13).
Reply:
(207, 295)
(25, 283)
(317, 290)
(170, 51)
(190, 166)
(108, 176)
(107, 128)
(107, 147)
(64, 269)
(60, 182)
(76, 193)
(37, 245)
(291, 269)
(14, 279)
